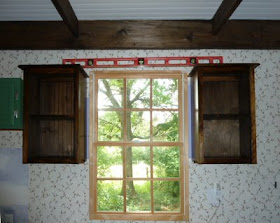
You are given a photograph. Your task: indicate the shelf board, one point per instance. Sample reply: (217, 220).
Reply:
(224, 116)
(226, 160)
(52, 159)
(53, 117)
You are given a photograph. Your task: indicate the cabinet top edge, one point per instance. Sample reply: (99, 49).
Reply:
(55, 66)
(201, 67)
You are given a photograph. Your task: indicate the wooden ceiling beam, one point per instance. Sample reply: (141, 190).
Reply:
(141, 34)
(223, 13)
(68, 15)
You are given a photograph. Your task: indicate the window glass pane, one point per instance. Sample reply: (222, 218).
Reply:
(165, 126)
(138, 93)
(167, 196)
(166, 162)
(110, 196)
(138, 161)
(110, 93)
(138, 126)
(109, 162)
(138, 196)
(165, 93)
(110, 126)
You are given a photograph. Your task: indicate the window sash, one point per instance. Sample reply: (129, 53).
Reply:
(183, 214)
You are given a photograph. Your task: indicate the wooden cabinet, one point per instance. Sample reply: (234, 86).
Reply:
(11, 104)
(223, 113)
(54, 114)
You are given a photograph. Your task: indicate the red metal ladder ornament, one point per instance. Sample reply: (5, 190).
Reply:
(144, 61)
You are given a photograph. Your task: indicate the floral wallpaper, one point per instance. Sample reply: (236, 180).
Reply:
(60, 193)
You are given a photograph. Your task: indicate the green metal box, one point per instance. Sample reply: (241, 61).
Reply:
(11, 103)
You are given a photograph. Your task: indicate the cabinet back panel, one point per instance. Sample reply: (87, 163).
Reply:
(55, 138)
(50, 95)
(221, 97)
(57, 98)
(245, 136)
(34, 138)
(221, 138)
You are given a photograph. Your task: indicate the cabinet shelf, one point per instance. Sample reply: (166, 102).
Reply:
(54, 114)
(226, 160)
(54, 159)
(53, 117)
(224, 116)
(223, 113)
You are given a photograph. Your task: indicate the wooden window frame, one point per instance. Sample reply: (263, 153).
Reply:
(182, 144)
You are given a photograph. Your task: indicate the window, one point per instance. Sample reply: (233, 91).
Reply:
(138, 168)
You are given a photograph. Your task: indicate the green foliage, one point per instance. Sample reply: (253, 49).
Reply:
(106, 158)
(141, 200)
(109, 196)
(165, 93)
(138, 93)
(167, 196)
(141, 153)
(167, 161)
(110, 126)
(168, 130)
(111, 93)
(167, 164)
(140, 126)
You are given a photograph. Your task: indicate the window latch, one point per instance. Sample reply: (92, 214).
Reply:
(16, 113)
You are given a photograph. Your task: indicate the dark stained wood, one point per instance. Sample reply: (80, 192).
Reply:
(140, 35)
(46, 70)
(221, 138)
(223, 13)
(67, 13)
(81, 141)
(53, 117)
(221, 69)
(227, 160)
(54, 128)
(220, 97)
(57, 97)
(226, 113)
(223, 116)
(200, 149)
(253, 115)
(245, 122)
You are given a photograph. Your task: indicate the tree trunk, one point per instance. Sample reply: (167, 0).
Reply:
(128, 157)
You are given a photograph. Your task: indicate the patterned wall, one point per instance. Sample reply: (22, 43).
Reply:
(59, 193)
